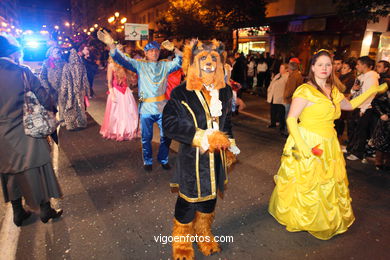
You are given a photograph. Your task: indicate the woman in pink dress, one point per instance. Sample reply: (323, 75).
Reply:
(121, 116)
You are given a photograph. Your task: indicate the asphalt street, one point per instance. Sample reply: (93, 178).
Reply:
(114, 210)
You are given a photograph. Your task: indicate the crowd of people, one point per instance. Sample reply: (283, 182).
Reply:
(191, 95)
(363, 133)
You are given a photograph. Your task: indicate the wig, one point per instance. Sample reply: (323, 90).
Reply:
(120, 71)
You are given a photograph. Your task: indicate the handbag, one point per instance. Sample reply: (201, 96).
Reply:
(380, 138)
(37, 121)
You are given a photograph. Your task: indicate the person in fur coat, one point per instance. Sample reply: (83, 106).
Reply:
(71, 96)
(198, 115)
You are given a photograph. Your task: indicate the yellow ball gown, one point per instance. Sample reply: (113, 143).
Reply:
(312, 194)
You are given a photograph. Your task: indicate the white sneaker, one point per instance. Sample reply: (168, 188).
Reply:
(352, 157)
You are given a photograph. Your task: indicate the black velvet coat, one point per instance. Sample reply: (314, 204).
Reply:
(198, 176)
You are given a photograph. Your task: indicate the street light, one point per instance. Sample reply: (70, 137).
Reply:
(111, 19)
(117, 23)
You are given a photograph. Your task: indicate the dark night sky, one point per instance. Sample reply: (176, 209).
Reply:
(58, 5)
(35, 13)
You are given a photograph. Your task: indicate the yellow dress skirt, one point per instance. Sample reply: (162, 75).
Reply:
(312, 194)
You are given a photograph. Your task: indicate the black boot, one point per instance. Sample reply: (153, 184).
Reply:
(20, 214)
(47, 212)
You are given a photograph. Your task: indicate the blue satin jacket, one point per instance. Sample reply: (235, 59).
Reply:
(152, 78)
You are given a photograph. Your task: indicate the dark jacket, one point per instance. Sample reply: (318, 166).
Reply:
(19, 152)
(381, 103)
(294, 80)
(239, 70)
(348, 80)
(91, 68)
(198, 176)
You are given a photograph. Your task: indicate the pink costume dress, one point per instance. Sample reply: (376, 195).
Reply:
(121, 117)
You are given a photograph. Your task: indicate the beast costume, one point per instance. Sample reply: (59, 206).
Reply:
(198, 115)
(152, 83)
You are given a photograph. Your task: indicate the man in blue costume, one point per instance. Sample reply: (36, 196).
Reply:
(152, 83)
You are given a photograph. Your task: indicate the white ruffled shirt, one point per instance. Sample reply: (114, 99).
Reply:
(215, 111)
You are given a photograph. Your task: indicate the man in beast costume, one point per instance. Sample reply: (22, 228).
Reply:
(198, 115)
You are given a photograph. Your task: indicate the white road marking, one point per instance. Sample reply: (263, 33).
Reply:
(9, 236)
(254, 116)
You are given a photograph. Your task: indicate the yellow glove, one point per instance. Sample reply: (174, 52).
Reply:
(300, 144)
(371, 91)
(105, 37)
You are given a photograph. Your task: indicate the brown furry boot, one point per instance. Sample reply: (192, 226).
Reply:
(202, 227)
(182, 250)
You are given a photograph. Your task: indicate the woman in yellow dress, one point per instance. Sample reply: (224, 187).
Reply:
(311, 192)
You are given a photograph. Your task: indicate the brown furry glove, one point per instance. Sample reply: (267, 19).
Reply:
(217, 141)
(230, 158)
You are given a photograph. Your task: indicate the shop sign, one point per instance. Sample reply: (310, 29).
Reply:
(136, 32)
(295, 26)
(309, 25)
(313, 25)
(253, 31)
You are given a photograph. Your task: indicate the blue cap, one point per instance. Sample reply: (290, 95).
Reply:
(152, 45)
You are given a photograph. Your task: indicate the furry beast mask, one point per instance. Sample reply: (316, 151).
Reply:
(203, 62)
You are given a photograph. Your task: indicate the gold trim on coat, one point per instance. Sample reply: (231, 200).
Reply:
(211, 155)
(199, 134)
(209, 197)
(197, 149)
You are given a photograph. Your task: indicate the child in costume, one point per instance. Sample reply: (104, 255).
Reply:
(311, 192)
(198, 115)
(121, 116)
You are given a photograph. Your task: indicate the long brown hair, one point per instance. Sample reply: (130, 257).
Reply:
(120, 72)
(332, 80)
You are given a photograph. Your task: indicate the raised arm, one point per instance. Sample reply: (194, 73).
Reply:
(118, 56)
(367, 95)
(175, 64)
(123, 60)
